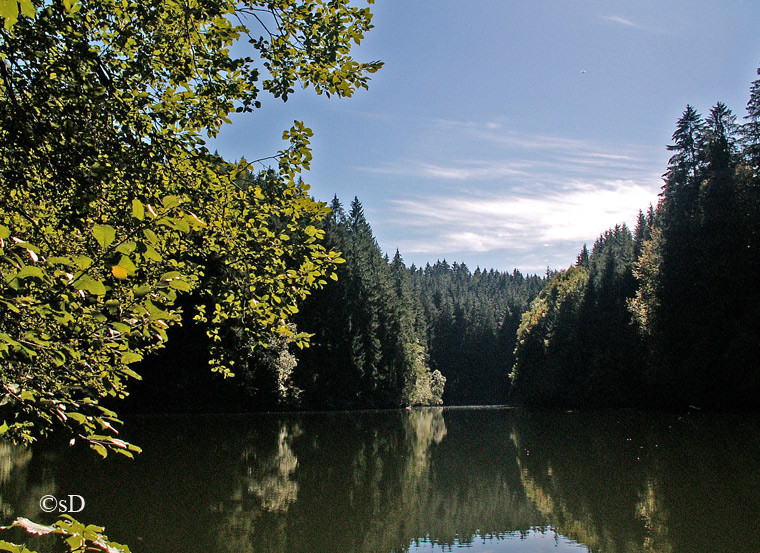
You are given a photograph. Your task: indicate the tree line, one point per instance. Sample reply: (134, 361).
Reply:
(411, 329)
(666, 314)
(381, 335)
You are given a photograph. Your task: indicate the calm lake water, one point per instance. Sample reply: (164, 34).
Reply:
(427, 480)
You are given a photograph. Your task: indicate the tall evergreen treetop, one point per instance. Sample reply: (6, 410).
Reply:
(682, 177)
(720, 138)
(750, 130)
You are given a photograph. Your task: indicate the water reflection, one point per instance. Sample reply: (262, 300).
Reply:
(424, 480)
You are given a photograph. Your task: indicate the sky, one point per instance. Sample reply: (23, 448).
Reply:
(507, 134)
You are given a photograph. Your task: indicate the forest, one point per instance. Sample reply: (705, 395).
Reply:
(664, 315)
(383, 335)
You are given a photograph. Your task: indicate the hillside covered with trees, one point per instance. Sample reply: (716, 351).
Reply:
(666, 315)
(381, 335)
(661, 315)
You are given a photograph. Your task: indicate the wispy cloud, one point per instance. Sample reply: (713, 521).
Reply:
(463, 223)
(466, 170)
(620, 20)
(534, 195)
(494, 152)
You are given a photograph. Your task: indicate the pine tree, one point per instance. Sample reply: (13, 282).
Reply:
(750, 130)
(684, 167)
(368, 349)
(582, 259)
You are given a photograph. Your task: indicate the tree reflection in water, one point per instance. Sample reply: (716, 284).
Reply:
(421, 480)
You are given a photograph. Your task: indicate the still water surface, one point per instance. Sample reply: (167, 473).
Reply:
(423, 481)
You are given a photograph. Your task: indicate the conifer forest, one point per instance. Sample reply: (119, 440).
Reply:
(662, 315)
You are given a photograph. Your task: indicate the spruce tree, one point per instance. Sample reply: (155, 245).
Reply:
(750, 130)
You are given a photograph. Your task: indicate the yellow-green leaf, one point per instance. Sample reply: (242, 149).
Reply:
(130, 357)
(170, 202)
(90, 285)
(104, 234)
(100, 449)
(30, 271)
(180, 285)
(138, 210)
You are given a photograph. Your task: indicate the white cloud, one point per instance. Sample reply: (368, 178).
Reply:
(462, 223)
(517, 196)
(466, 170)
(621, 20)
(490, 150)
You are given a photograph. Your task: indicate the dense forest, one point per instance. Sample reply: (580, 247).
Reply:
(666, 315)
(661, 315)
(383, 335)
(395, 324)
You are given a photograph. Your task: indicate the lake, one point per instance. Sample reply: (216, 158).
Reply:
(426, 480)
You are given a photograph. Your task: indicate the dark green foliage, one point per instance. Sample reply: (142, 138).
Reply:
(546, 342)
(368, 348)
(750, 131)
(472, 323)
(385, 334)
(577, 345)
(705, 297)
(687, 276)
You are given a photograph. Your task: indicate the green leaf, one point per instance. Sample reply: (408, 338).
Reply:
(171, 275)
(138, 210)
(78, 417)
(90, 285)
(140, 291)
(130, 357)
(152, 254)
(76, 542)
(121, 327)
(104, 234)
(180, 285)
(170, 201)
(9, 12)
(4, 428)
(30, 271)
(83, 262)
(151, 236)
(100, 449)
(130, 372)
(27, 8)
(127, 247)
(8, 340)
(127, 264)
(59, 359)
(12, 547)
(59, 260)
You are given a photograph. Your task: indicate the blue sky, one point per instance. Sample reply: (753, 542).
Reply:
(508, 134)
